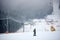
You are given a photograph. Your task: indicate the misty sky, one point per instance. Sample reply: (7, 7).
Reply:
(21, 10)
(26, 9)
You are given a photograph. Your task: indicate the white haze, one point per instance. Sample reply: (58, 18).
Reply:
(27, 9)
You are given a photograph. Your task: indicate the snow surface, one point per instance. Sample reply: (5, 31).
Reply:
(29, 36)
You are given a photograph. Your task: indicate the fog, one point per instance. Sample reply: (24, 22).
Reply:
(23, 10)
(26, 9)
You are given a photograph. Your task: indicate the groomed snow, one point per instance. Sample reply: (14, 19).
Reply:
(29, 36)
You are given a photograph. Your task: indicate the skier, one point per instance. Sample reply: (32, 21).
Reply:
(34, 32)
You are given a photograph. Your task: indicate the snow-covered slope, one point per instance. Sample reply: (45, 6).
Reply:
(43, 32)
(29, 36)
